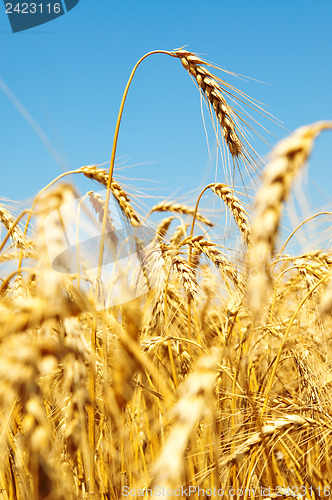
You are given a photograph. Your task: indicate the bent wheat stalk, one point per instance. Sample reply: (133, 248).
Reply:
(210, 87)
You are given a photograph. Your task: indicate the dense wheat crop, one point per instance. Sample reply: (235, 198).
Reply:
(155, 361)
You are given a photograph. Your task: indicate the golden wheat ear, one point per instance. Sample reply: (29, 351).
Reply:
(168, 206)
(235, 119)
(211, 89)
(210, 250)
(286, 160)
(226, 193)
(19, 239)
(101, 176)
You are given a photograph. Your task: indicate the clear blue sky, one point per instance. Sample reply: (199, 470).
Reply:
(69, 75)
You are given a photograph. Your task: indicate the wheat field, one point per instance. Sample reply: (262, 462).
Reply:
(187, 372)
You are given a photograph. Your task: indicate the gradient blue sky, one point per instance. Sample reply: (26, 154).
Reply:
(69, 75)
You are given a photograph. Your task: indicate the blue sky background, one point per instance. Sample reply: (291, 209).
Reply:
(69, 74)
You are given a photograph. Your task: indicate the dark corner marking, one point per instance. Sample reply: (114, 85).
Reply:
(24, 15)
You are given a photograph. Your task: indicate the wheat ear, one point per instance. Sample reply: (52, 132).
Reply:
(226, 193)
(168, 206)
(224, 266)
(98, 203)
(325, 306)
(210, 87)
(18, 237)
(163, 227)
(286, 159)
(187, 275)
(100, 175)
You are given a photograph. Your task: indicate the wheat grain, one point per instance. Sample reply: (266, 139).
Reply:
(126, 364)
(191, 407)
(179, 234)
(98, 203)
(28, 253)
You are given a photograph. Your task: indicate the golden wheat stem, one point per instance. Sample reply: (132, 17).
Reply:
(190, 256)
(115, 141)
(91, 407)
